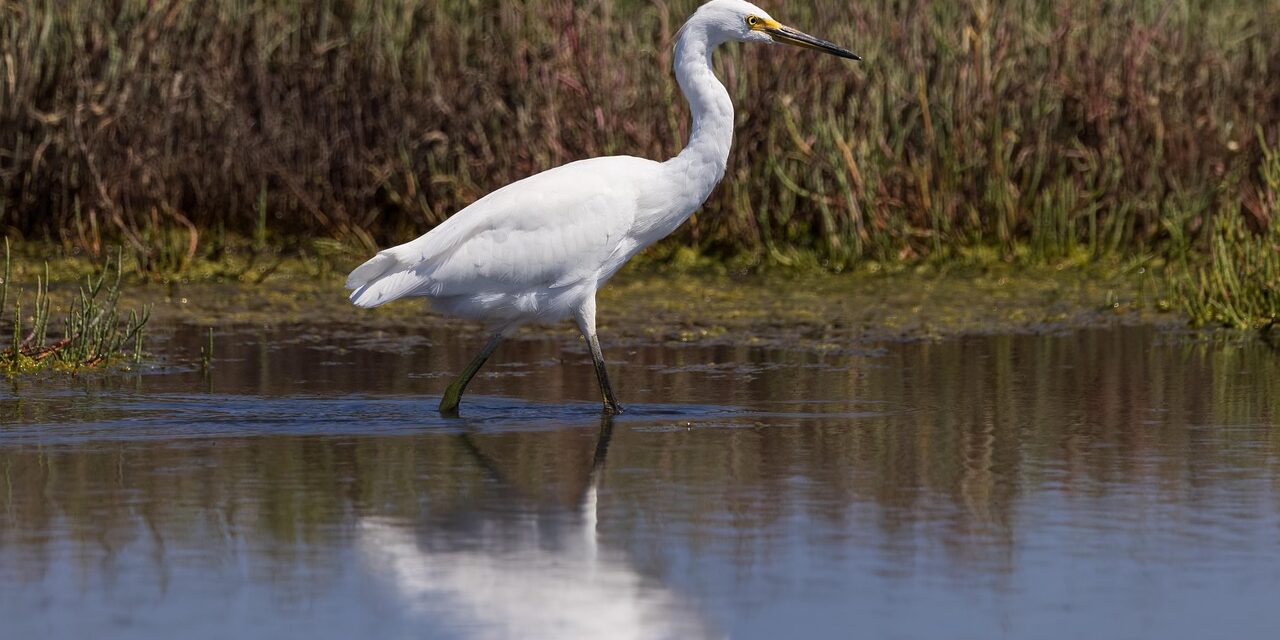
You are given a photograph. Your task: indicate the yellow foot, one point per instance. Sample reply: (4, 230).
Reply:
(449, 403)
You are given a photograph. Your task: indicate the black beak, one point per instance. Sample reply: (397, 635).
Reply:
(787, 35)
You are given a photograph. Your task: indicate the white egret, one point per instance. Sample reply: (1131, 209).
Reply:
(537, 250)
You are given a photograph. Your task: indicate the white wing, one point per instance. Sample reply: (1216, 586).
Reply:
(548, 230)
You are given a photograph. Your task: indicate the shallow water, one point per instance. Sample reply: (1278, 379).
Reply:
(1105, 483)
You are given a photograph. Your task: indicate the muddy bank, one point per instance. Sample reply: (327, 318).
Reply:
(810, 311)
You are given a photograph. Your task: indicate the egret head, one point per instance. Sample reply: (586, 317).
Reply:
(742, 21)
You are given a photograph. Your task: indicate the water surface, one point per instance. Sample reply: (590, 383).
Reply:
(1103, 483)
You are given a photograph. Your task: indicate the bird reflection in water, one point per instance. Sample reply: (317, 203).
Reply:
(539, 572)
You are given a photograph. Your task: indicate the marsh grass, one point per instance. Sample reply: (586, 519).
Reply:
(1238, 285)
(94, 331)
(206, 354)
(1030, 130)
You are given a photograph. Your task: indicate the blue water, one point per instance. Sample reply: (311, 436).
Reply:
(1109, 483)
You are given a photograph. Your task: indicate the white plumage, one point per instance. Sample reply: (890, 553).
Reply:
(539, 249)
(528, 251)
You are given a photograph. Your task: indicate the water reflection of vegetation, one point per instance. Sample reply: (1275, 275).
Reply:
(967, 437)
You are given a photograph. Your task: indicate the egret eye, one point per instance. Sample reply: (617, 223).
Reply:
(752, 21)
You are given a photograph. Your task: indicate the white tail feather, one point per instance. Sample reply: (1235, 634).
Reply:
(382, 279)
(392, 286)
(374, 268)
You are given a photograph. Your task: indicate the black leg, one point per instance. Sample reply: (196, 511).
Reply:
(586, 317)
(611, 405)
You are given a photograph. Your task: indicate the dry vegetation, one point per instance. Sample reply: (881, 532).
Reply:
(1042, 129)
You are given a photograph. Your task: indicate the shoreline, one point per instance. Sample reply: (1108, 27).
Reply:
(808, 311)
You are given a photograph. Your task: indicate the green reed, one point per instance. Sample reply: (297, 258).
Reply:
(206, 354)
(1239, 284)
(94, 331)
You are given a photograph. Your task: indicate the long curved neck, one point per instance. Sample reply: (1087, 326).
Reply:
(704, 158)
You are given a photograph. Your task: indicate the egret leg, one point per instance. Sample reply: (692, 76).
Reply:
(611, 405)
(453, 395)
(586, 317)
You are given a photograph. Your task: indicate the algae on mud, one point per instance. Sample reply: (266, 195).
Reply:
(676, 305)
